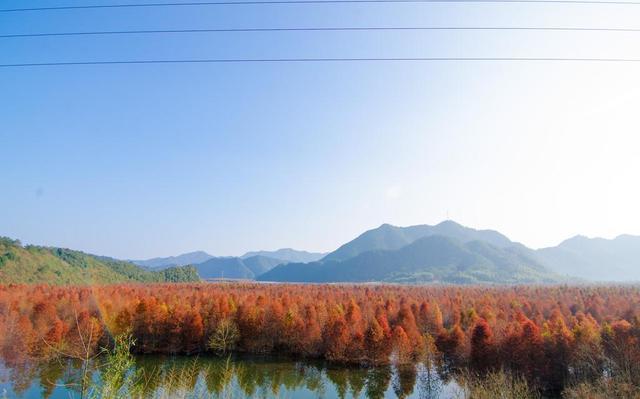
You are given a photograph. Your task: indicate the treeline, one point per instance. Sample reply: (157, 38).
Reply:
(552, 336)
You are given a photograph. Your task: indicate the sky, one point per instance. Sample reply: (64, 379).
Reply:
(139, 161)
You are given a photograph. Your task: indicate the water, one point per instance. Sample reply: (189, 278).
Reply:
(233, 377)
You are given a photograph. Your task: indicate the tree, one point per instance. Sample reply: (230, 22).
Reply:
(193, 332)
(558, 341)
(450, 343)
(402, 351)
(337, 340)
(407, 321)
(377, 342)
(621, 346)
(225, 337)
(483, 353)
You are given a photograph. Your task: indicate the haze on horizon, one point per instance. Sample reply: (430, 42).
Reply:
(145, 161)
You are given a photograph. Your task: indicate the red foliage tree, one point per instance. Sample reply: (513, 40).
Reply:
(483, 351)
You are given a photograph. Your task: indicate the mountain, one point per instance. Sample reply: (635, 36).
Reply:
(236, 268)
(190, 258)
(287, 255)
(596, 259)
(259, 264)
(388, 237)
(434, 258)
(34, 264)
(224, 267)
(193, 258)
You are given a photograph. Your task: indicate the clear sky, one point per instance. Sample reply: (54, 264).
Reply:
(137, 161)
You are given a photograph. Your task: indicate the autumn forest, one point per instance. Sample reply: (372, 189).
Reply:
(554, 337)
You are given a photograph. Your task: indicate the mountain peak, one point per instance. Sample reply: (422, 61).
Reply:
(448, 222)
(389, 237)
(387, 226)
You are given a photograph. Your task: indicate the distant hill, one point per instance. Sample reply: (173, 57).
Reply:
(387, 237)
(260, 264)
(433, 258)
(236, 268)
(190, 258)
(221, 267)
(287, 255)
(596, 259)
(33, 264)
(193, 258)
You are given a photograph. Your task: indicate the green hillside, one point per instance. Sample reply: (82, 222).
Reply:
(33, 264)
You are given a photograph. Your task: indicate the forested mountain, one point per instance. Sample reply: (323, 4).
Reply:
(387, 237)
(287, 255)
(33, 264)
(596, 259)
(433, 258)
(190, 258)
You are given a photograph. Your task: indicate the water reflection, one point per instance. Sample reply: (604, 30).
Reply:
(205, 377)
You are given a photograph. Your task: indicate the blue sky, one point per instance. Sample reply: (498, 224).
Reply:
(152, 160)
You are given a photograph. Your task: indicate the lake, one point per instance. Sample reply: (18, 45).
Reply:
(232, 377)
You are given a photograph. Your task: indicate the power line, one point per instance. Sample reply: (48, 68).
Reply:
(275, 2)
(321, 29)
(319, 60)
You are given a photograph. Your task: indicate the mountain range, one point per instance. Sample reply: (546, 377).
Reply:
(283, 255)
(245, 267)
(190, 258)
(444, 253)
(287, 255)
(596, 259)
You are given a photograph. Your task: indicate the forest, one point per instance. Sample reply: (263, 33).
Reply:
(557, 338)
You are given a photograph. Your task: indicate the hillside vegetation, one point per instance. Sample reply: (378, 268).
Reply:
(34, 264)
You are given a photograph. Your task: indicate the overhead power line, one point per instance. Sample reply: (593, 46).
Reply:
(320, 29)
(319, 60)
(275, 2)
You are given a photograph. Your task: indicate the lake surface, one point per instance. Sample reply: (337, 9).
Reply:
(233, 377)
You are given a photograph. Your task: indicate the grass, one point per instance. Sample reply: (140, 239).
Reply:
(495, 385)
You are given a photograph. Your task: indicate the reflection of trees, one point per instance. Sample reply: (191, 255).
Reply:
(180, 377)
(21, 375)
(357, 379)
(314, 380)
(339, 379)
(219, 377)
(49, 373)
(404, 380)
(378, 382)
(429, 383)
